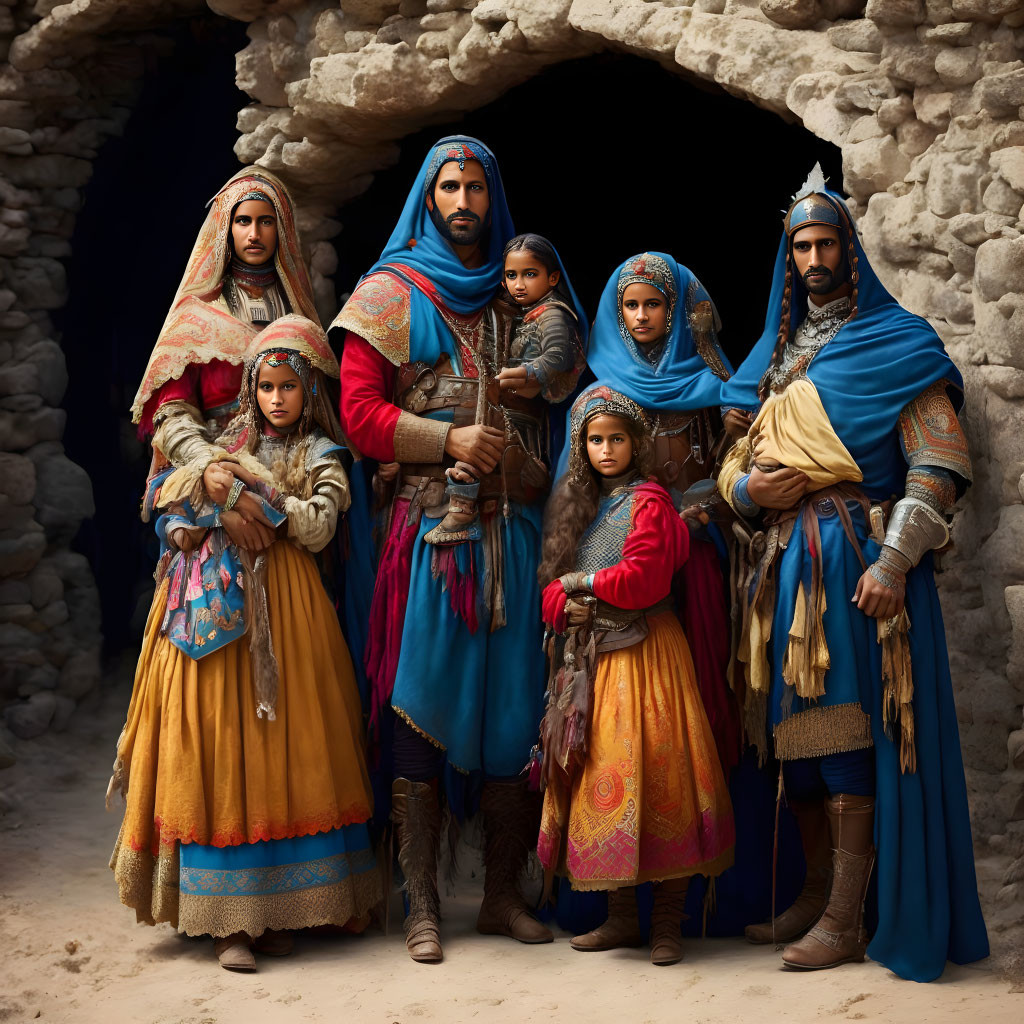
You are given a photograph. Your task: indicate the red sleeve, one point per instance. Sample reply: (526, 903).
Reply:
(182, 389)
(368, 415)
(656, 547)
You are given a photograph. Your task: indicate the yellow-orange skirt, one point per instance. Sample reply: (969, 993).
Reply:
(650, 802)
(200, 767)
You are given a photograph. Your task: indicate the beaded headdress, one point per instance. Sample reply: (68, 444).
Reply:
(647, 268)
(601, 400)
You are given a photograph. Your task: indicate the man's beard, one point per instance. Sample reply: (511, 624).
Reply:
(823, 285)
(462, 235)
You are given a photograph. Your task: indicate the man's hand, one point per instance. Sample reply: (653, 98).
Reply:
(217, 481)
(518, 381)
(782, 488)
(878, 600)
(737, 423)
(251, 536)
(478, 445)
(387, 471)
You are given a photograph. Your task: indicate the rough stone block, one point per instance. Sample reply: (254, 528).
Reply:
(895, 12)
(18, 432)
(1001, 94)
(999, 268)
(872, 166)
(21, 554)
(1000, 198)
(80, 674)
(792, 13)
(32, 717)
(17, 478)
(1009, 162)
(958, 66)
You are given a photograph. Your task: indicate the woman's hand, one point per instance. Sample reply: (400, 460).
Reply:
(780, 489)
(737, 423)
(577, 610)
(217, 481)
(250, 507)
(518, 381)
(252, 536)
(878, 600)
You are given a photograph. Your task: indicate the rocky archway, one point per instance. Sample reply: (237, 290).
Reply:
(922, 96)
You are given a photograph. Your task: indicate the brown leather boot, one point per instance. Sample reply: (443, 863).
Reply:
(666, 918)
(511, 823)
(622, 928)
(417, 817)
(810, 904)
(461, 521)
(838, 938)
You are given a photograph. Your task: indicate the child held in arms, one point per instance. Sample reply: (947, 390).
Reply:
(543, 355)
(239, 758)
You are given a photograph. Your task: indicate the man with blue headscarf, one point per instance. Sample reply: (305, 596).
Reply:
(419, 388)
(851, 466)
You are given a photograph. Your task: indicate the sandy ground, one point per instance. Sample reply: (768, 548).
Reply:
(71, 952)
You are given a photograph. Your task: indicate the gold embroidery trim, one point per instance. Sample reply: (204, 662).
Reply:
(820, 731)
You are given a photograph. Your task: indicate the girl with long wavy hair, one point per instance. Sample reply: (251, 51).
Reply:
(634, 790)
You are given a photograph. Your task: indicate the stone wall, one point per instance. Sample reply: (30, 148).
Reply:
(924, 97)
(63, 92)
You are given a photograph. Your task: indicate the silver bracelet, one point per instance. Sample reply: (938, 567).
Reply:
(233, 495)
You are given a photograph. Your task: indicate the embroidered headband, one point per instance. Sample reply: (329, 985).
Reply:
(647, 269)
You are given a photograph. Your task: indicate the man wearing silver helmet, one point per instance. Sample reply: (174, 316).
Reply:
(849, 462)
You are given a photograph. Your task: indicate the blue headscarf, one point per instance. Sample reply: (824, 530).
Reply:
(880, 360)
(681, 379)
(463, 289)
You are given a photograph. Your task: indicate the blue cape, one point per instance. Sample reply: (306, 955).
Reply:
(877, 363)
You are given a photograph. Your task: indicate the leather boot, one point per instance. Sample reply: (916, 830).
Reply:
(461, 521)
(839, 938)
(417, 817)
(622, 928)
(666, 918)
(511, 823)
(810, 904)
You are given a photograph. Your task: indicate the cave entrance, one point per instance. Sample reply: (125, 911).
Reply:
(612, 155)
(606, 156)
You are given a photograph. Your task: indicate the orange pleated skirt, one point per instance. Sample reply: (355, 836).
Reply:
(651, 801)
(199, 766)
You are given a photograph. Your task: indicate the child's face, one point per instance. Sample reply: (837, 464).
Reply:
(609, 445)
(645, 313)
(526, 277)
(279, 393)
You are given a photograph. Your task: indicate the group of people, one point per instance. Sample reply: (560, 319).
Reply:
(584, 569)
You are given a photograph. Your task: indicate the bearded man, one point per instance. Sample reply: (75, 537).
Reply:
(848, 474)
(455, 661)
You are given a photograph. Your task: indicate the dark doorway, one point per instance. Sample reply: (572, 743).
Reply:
(611, 155)
(141, 214)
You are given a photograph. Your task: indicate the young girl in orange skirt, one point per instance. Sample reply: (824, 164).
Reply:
(634, 791)
(241, 762)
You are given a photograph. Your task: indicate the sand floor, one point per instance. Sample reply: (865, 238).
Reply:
(71, 952)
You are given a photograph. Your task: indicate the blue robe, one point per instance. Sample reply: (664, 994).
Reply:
(928, 909)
